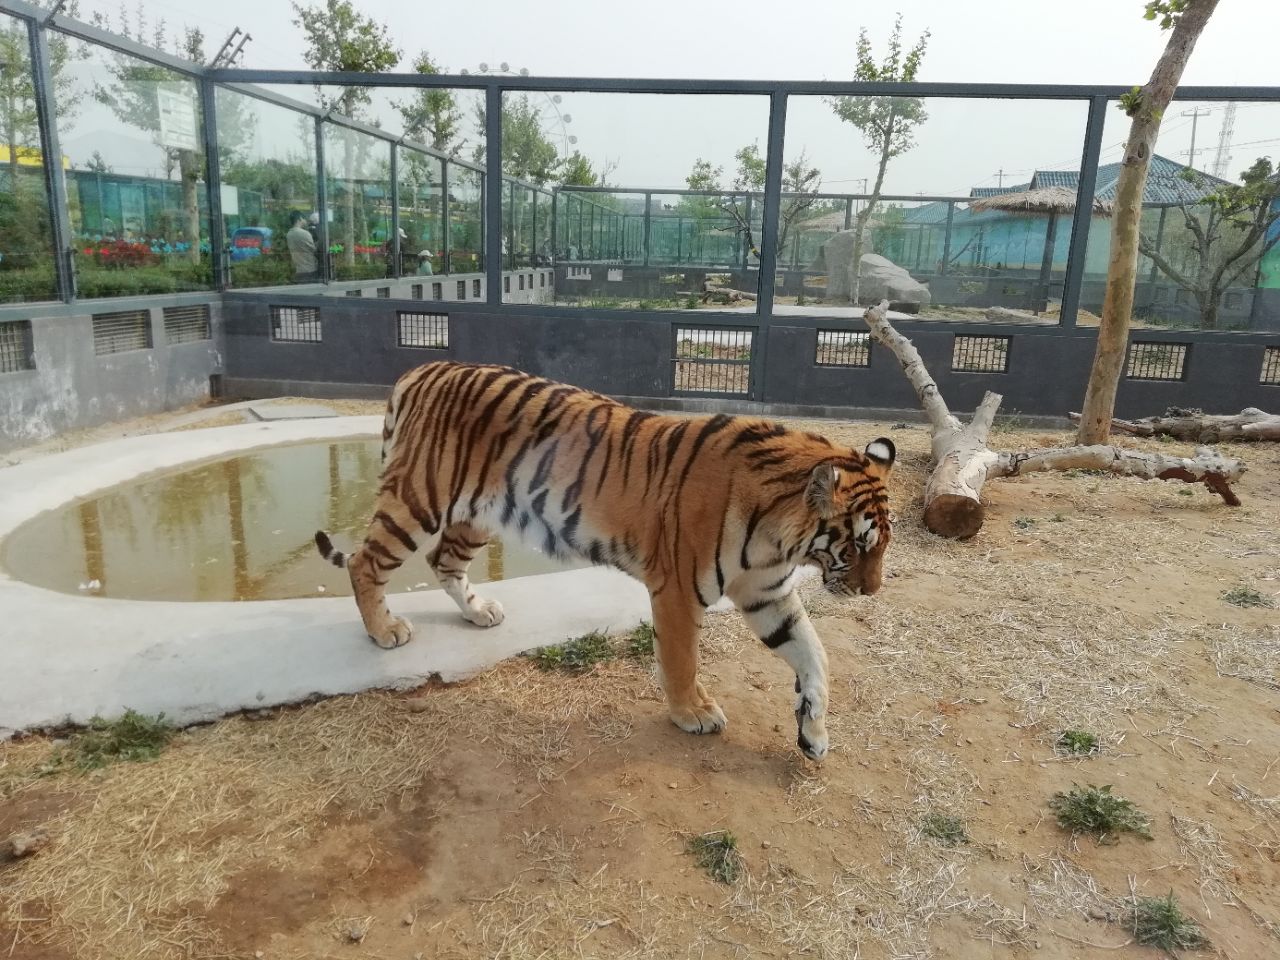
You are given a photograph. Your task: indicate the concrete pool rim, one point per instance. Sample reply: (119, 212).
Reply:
(65, 659)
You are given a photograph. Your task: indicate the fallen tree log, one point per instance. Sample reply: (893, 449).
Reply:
(962, 461)
(711, 292)
(1196, 427)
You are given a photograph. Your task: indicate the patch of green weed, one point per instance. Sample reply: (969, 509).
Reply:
(1078, 743)
(946, 829)
(1098, 811)
(130, 737)
(1159, 922)
(575, 656)
(717, 853)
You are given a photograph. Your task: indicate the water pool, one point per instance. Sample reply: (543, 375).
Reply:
(234, 529)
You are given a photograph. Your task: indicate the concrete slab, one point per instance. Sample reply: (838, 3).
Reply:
(271, 412)
(66, 658)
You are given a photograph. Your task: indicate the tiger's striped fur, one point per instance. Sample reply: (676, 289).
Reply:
(695, 508)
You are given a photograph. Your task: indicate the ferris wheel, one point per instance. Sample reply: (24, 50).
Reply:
(553, 120)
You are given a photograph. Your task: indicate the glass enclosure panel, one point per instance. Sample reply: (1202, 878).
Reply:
(969, 208)
(267, 155)
(421, 213)
(133, 138)
(1210, 242)
(26, 238)
(466, 219)
(358, 191)
(604, 159)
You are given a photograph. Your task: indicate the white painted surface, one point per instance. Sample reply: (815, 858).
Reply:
(66, 658)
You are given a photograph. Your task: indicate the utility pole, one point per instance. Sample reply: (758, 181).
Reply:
(1000, 178)
(227, 54)
(1195, 116)
(1225, 135)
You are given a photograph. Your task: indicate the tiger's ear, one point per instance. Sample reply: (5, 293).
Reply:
(820, 495)
(881, 452)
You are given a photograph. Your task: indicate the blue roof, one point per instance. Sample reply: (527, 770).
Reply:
(1166, 182)
(997, 191)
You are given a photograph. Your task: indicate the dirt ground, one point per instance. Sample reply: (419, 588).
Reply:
(526, 814)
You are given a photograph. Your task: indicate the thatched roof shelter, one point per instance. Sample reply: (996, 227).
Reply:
(1043, 201)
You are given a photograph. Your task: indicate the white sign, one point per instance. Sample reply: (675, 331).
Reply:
(230, 200)
(177, 117)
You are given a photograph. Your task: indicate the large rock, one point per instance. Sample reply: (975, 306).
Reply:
(882, 279)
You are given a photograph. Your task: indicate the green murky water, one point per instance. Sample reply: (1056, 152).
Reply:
(237, 529)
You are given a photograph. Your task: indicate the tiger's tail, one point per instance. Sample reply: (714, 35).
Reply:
(326, 548)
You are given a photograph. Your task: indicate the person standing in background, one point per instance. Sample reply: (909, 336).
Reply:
(302, 250)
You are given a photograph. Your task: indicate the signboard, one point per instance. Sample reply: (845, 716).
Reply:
(230, 200)
(177, 117)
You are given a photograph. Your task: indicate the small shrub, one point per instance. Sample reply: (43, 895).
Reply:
(691, 302)
(130, 737)
(801, 300)
(1098, 811)
(1024, 523)
(717, 853)
(1078, 743)
(944, 828)
(640, 641)
(1058, 518)
(1159, 922)
(1246, 597)
(1186, 493)
(575, 656)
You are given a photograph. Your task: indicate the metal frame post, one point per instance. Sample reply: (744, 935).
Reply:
(213, 183)
(648, 213)
(555, 223)
(55, 180)
(509, 218)
(848, 212)
(447, 241)
(396, 270)
(946, 239)
(772, 207)
(1084, 211)
(322, 206)
(493, 194)
(591, 233)
(533, 247)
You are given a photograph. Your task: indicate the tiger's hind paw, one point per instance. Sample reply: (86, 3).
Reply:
(397, 632)
(706, 717)
(485, 613)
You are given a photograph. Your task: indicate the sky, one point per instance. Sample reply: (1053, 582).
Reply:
(655, 140)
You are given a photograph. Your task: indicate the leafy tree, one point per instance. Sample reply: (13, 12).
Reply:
(432, 116)
(18, 114)
(887, 124)
(527, 152)
(338, 37)
(577, 171)
(1185, 19)
(1228, 233)
(97, 164)
(133, 94)
(800, 182)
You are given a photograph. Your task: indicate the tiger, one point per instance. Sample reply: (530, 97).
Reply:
(694, 507)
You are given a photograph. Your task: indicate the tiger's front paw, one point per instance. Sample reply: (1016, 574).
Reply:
(705, 717)
(396, 633)
(485, 613)
(811, 726)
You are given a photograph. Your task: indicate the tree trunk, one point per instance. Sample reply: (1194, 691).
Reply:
(864, 216)
(1194, 427)
(189, 170)
(963, 463)
(1122, 270)
(349, 227)
(1209, 314)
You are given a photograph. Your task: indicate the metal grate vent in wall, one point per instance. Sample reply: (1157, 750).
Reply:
(121, 331)
(980, 354)
(1156, 361)
(843, 348)
(429, 330)
(186, 324)
(295, 324)
(713, 360)
(15, 347)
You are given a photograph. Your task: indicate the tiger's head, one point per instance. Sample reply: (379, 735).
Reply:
(853, 525)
